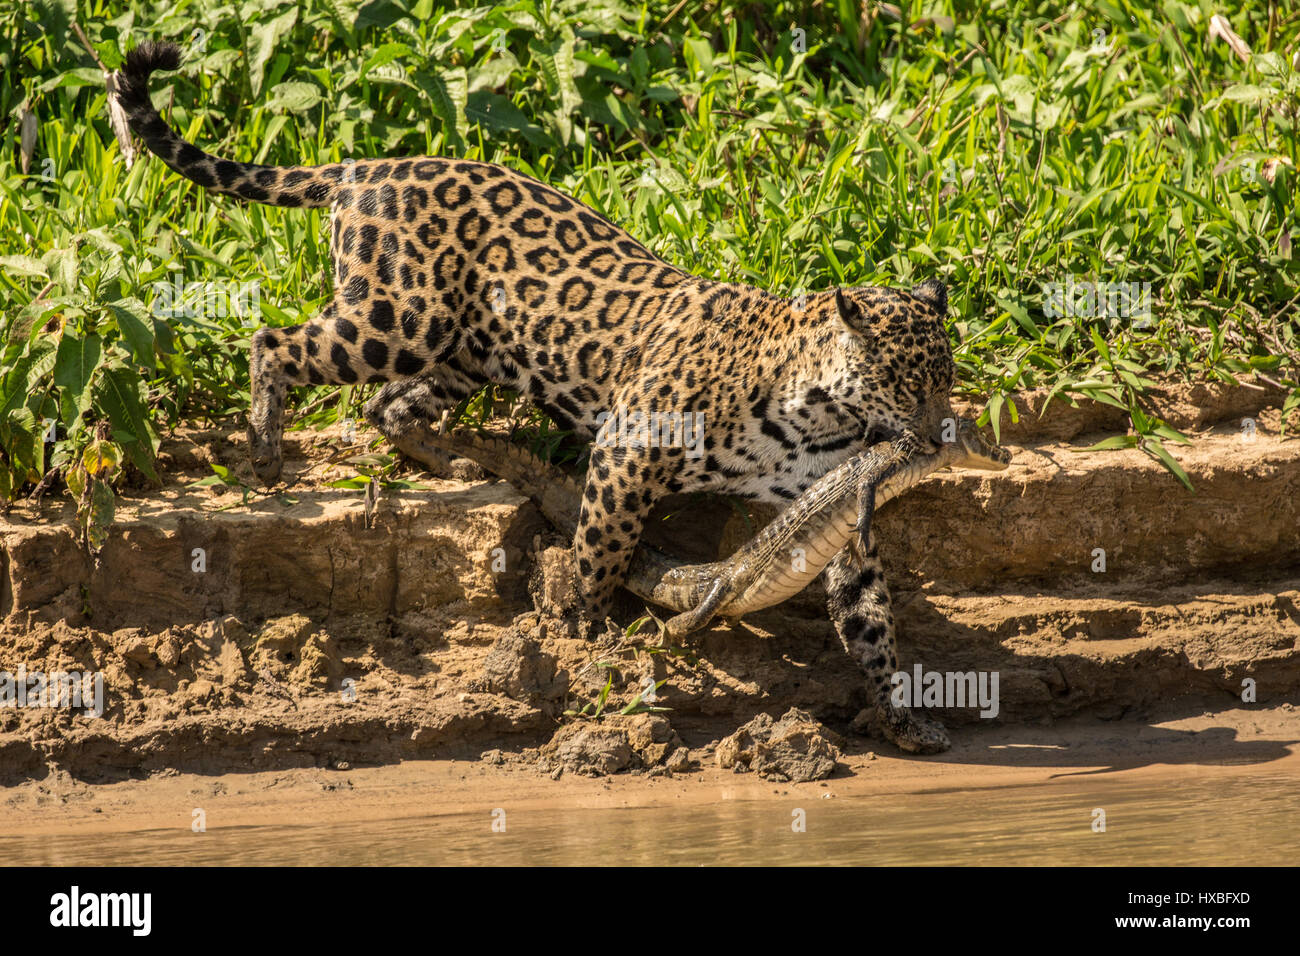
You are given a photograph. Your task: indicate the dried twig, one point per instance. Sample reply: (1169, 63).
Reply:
(86, 43)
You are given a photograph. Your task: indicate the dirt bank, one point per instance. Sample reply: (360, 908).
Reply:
(307, 635)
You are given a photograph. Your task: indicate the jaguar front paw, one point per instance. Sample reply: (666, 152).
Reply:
(266, 459)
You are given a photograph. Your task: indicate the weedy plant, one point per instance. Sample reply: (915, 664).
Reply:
(788, 145)
(629, 648)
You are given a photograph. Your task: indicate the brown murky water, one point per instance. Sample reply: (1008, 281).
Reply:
(1211, 820)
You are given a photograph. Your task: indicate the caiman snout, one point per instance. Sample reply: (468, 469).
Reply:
(979, 452)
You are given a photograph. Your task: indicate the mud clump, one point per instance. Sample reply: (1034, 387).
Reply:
(591, 750)
(553, 583)
(517, 667)
(795, 748)
(652, 738)
(641, 742)
(291, 648)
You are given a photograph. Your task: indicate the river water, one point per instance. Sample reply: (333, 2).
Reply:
(1189, 821)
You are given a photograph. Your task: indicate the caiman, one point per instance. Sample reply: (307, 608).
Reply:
(779, 562)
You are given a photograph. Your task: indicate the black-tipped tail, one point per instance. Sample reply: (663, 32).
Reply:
(276, 185)
(133, 84)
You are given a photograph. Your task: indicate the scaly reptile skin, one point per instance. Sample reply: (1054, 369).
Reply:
(779, 562)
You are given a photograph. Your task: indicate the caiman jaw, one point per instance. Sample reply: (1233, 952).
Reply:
(979, 453)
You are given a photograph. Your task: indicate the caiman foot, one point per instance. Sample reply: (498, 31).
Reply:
(860, 545)
(680, 625)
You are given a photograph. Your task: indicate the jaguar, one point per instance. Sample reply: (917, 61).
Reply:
(451, 273)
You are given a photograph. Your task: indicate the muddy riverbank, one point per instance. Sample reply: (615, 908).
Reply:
(311, 635)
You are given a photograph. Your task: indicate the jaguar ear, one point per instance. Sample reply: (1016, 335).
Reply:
(934, 292)
(851, 315)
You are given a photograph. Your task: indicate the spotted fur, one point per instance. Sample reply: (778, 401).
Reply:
(450, 274)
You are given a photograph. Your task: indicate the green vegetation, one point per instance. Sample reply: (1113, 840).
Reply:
(793, 146)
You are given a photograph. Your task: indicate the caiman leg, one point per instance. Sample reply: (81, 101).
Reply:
(700, 615)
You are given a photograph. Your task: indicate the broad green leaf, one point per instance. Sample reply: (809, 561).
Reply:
(448, 92)
(24, 266)
(22, 380)
(23, 441)
(265, 36)
(118, 391)
(137, 329)
(294, 97)
(384, 55)
(1247, 93)
(75, 364)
